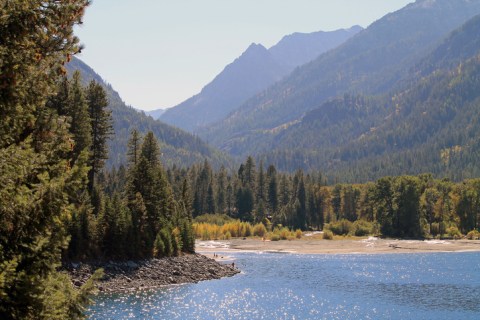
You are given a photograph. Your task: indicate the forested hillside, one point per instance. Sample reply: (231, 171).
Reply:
(428, 124)
(373, 62)
(177, 146)
(255, 70)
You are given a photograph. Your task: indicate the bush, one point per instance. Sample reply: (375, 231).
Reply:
(453, 232)
(227, 236)
(259, 230)
(298, 234)
(341, 227)
(274, 237)
(473, 235)
(284, 233)
(363, 228)
(327, 235)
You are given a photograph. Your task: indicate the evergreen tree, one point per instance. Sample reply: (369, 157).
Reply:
(272, 196)
(36, 181)
(134, 144)
(148, 185)
(80, 125)
(101, 129)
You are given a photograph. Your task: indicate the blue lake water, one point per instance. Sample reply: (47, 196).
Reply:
(290, 286)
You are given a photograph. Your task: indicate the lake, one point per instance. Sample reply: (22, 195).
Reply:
(291, 286)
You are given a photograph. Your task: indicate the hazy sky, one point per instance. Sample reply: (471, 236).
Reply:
(157, 53)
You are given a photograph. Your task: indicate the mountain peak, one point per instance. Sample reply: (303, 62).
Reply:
(254, 50)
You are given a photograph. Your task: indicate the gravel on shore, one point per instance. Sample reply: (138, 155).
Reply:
(150, 274)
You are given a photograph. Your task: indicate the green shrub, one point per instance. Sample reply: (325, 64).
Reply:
(327, 235)
(341, 227)
(284, 233)
(363, 228)
(453, 232)
(227, 236)
(473, 235)
(259, 230)
(298, 234)
(274, 237)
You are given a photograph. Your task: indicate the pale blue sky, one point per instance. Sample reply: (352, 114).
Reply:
(157, 53)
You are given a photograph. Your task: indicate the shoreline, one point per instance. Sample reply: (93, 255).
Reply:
(150, 274)
(369, 245)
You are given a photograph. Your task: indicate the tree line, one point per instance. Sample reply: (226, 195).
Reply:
(402, 206)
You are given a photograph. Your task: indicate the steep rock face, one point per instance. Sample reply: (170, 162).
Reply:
(255, 70)
(178, 147)
(372, 62)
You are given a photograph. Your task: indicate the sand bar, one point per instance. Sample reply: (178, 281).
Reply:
(316, 246)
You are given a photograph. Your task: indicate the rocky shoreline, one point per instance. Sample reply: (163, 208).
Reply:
(150, 274)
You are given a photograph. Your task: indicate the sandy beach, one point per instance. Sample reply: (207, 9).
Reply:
(305, 245)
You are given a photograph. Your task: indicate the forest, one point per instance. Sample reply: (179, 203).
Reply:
(401, 206)
(54, 131)
(60, 202)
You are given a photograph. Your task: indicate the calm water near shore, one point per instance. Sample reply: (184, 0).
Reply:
(290, 286)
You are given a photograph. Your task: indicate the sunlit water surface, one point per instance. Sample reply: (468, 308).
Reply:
(290, 286)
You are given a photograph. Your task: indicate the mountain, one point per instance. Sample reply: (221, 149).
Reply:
(155, 114)
(371, 63)
(252, 72)
(299, 48)
(255, 70)
(178, 147)
(429, 122)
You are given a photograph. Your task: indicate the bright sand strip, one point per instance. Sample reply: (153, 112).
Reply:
(318, 246)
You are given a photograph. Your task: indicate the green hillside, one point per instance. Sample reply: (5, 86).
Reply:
(428, 123)
(373, 62)
(177, 146)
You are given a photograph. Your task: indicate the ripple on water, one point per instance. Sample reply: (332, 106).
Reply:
(289, 286)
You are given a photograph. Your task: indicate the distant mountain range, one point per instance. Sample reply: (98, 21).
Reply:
(255, 70)
(400, 97)
(155, 114)
(178, 147)
(275, 124)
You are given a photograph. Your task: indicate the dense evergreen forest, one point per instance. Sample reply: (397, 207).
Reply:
(404, 206)
(54, 132)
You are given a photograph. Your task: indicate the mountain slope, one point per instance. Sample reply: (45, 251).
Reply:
(155, 114)
(299, 48)
(255, 70)
(252, 72)
(372, 62)
(429, 123)
(177, 146)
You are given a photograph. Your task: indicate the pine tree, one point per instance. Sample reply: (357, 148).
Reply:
(80, 125)
(134, 145)
(36, 179)
(272, 194)
(101, 128)
(147, 180)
